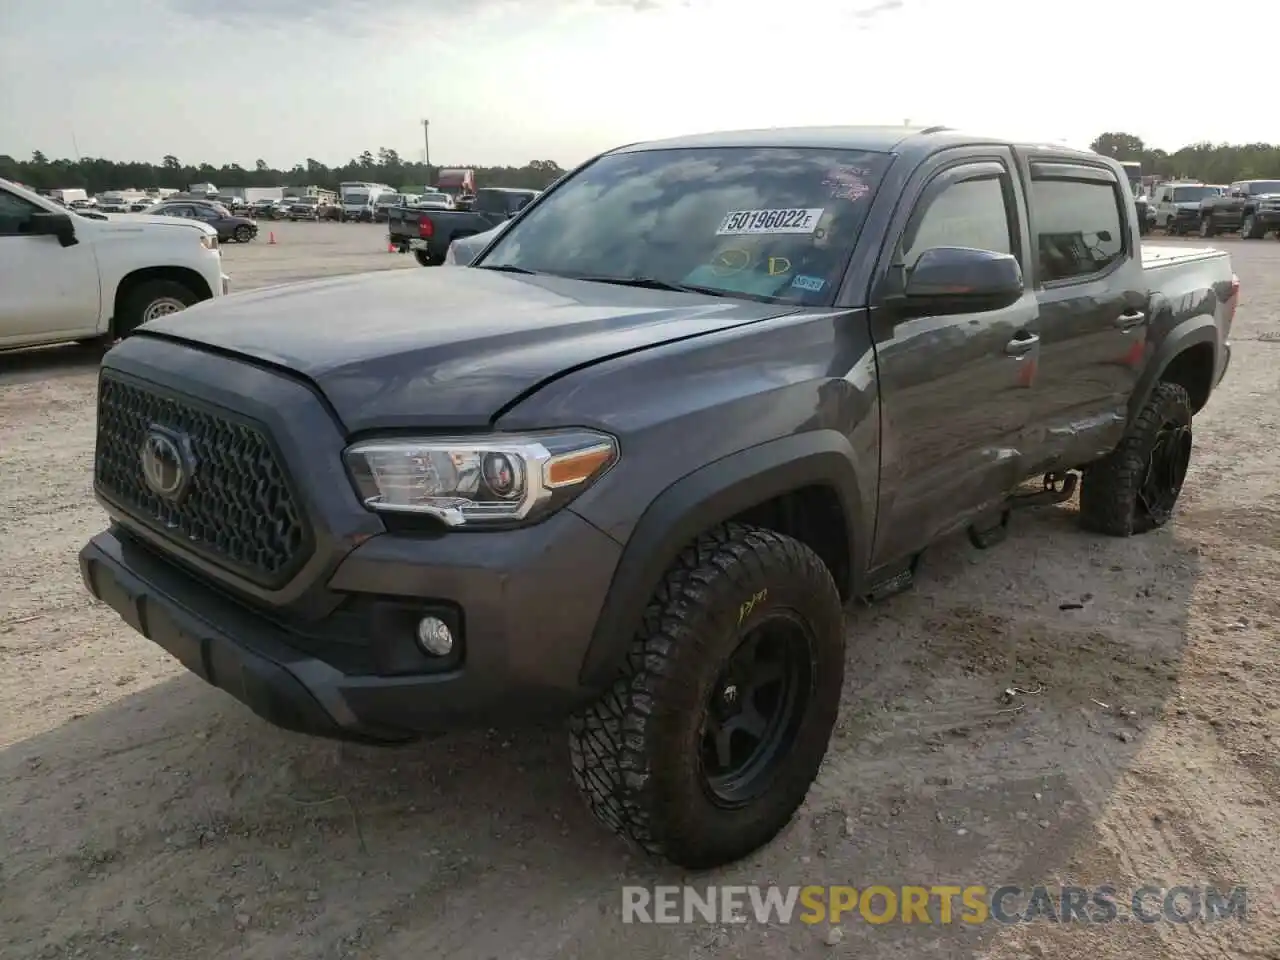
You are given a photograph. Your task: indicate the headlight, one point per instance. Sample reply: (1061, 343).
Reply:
(472, 481)
(209, 241)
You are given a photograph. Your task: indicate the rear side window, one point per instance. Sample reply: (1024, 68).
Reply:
(1079, 227)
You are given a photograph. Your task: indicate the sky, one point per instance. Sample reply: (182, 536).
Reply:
(509, 81)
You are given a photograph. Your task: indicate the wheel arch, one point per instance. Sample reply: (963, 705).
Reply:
(1188, 356)
(189, 278)
(806, 485)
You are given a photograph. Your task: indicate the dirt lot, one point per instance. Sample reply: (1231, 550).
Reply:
(143, 814)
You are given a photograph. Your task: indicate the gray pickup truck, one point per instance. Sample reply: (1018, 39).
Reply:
(631, 464)
(428, 232)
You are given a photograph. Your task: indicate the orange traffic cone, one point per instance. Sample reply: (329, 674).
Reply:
(271, 238)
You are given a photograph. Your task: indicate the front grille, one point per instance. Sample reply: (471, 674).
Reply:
(238, 512)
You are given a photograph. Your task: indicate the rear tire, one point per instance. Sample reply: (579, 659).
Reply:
(150, 301)
(1135, 488)
(423, 258)
(1249, 228)
(243, 234)
(685, 757)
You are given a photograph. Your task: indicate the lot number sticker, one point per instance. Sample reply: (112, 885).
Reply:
(758, 222)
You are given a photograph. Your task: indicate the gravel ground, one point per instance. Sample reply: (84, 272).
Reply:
(143, 814)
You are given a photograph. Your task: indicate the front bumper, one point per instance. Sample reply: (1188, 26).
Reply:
(1268, 218)
(417, 243)
(524, 603)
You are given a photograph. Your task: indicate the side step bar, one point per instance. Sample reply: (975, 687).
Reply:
(1058, 488)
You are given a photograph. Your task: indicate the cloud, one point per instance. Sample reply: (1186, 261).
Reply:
(369, 16)
(870, 13)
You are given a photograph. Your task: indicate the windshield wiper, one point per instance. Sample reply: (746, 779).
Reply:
(652, 283)
(507, 268)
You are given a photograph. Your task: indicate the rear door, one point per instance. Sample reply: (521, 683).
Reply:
(1093, 304)
(954, 390)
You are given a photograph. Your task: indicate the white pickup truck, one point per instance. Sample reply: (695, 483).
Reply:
(67, 276)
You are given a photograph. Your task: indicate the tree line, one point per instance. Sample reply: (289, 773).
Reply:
(96, 174)
(1206, 162)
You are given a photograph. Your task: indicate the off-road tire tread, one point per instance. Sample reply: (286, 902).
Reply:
(607, 743)
(1109, 488)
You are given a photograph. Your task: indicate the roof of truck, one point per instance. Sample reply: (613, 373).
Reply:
(876, 139)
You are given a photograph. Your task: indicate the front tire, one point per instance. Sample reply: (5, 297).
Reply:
(1135, 488)
(150, 301)
(1249, 228)
(1206, 227)
(714, 730)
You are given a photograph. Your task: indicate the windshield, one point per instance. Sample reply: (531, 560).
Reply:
(355, 198)
(1262, 186)
(1188, 194)
(771, 223)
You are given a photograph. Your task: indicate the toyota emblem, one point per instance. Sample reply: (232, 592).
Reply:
(167, 464)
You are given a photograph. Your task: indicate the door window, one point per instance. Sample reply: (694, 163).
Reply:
(1079, 230)
(15, 215)
(971, 213)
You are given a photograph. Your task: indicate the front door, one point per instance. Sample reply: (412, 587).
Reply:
(954, 390)
(1093, 309)
(47, 291)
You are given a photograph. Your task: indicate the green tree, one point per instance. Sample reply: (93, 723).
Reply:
(1121, 146)
(97, 174)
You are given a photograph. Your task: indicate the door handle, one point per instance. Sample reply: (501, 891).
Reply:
(1130, 319)
(1021, 345)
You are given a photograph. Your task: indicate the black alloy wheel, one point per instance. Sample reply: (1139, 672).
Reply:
(755, 708)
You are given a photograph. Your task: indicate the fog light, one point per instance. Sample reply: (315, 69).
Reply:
(434, 636)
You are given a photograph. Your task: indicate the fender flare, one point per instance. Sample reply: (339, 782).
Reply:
(1189, 333)
(704, 498)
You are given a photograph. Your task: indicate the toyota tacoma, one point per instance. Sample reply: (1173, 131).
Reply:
(631, 465)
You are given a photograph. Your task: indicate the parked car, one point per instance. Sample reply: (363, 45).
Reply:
(91, 277)
(228, 225)
(1250, 206)
(1177, 205)
(632, 463)
(432, 201)
(304, 208)
(428, 232)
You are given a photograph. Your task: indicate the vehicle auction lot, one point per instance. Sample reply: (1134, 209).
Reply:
(988, 735)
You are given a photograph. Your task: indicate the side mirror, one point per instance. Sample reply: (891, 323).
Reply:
(950, 280)
(58, 225)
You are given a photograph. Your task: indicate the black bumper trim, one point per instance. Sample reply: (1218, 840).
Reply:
(278, 683)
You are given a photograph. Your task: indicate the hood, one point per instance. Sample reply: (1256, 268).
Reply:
(445, 348)
(139, 220)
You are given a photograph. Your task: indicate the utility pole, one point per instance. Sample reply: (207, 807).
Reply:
(426, 153)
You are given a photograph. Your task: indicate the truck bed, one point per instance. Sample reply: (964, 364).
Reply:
(1155, 256)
